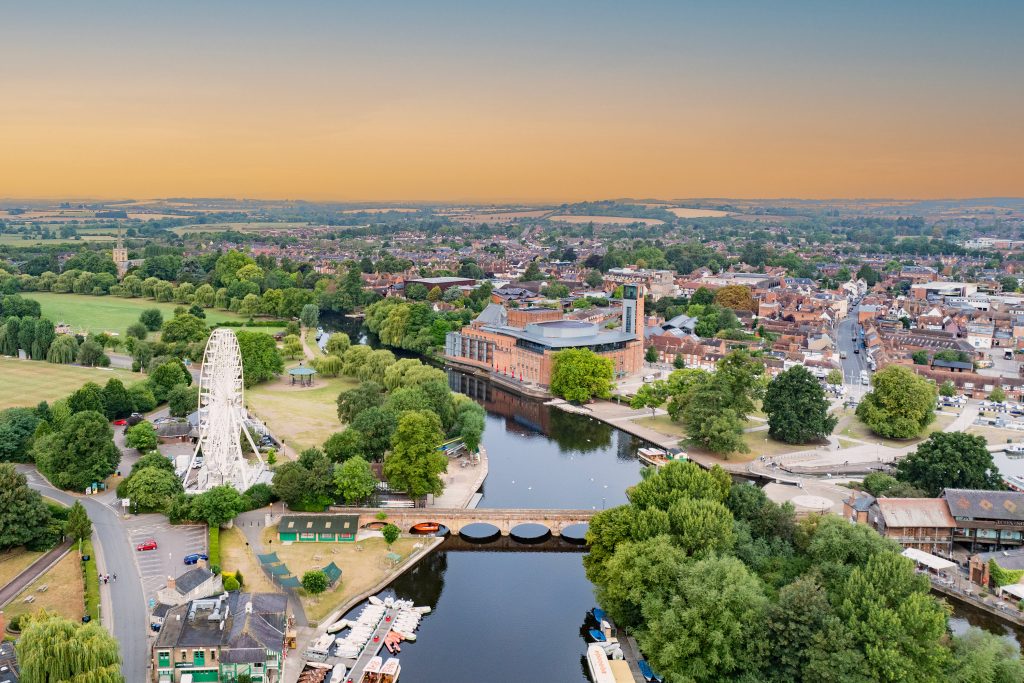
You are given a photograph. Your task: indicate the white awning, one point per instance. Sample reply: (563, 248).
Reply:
(927, 559)
(1014, 589)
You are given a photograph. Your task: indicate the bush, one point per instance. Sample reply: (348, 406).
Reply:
(141, 437)
(260, 495)
(214, 546)
(231, 584)
(314, 582)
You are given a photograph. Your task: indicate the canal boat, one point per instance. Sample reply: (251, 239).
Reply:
(1014, 450)
(597, 663)
(656, 457)
(426, 528)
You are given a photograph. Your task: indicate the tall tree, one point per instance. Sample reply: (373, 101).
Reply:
(261, 360)
(900, 405)
(23, 515)
(354, 480)
(414, 464)
(78, 525)
(80, 453)
(950, 460)
(581, 374)
(796, 407)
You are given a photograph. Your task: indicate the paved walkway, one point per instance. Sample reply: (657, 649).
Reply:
(32, 572)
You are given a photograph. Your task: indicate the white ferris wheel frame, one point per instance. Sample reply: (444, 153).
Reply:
(222, 419)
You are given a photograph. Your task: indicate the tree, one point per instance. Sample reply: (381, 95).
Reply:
(415, 464)
(679, 362)
(327, 366)
(137, 331)
(310, 316)
(895, 623)
(834, 377)
(997, 394)
(143, 400)
(337, 344)
(434, 294)
(735, 297)
(796, 407)
(23, 515)
(343, 445)
(260, 358)
(17, 426)
(184, 328)
(314, 582)
(152, 318)
(983, 657)
(219, 505)
(52, 648)
(701, 633)
(117, 402)
(947, 389)
(87, 397)
(416, 291)
(580, 374)
(651, 395)
(951, 460)
(292, 346)
(290, 483)
(354, 480)
(900, 405)
(354, 401)
(869, 275)
(91, 354)
(166, 376)
(80, 453)
(594, 279)
(78, 525)
(63, 349)
(142, 437)
(151, 488)
(375, 425)
(701, 527)
(702, 297)
(651, 355)
(182, 400)
(532, 273)
(920, 357)
(792, 624)
(391, 534)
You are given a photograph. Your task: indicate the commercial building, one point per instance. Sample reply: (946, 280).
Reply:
(318, 528)
(990, 520)
(221, 638)
(519, 344)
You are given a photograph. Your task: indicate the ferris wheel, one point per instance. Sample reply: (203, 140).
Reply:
(222, 420)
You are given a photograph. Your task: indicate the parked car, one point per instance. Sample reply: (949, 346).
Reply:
(120, 423)
(195, 557)
(147, 545)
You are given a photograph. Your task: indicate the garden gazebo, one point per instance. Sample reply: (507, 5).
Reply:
(303, 375)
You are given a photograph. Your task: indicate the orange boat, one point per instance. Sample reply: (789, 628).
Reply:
(426, 528)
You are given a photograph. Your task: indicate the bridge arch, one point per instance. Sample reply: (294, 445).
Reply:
(529, 532)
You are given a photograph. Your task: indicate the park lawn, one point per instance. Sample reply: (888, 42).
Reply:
(302, 416)
(994, 435)
(110, 313)
(760, 444)
(362, 569)
(235, 555)
(311, 343)
(14, 562)
(27, 382)
(662, 424)
(64, 592)
(858, 430)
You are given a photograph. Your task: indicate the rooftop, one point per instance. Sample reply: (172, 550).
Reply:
(915, 512)
(997, 505)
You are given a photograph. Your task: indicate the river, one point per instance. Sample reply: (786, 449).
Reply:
(513, 612)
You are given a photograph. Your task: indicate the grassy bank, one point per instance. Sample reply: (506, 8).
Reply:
(26, 382)
(91, 576)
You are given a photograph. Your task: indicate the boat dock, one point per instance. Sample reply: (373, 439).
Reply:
(373, 646)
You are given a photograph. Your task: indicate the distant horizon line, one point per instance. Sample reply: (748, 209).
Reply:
(502, 201)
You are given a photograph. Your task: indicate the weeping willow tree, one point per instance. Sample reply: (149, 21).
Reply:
(63, 349)
(53, 649)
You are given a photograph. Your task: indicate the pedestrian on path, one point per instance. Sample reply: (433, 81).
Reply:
(115, 577)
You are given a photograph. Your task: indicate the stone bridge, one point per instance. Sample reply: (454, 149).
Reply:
(505, 520)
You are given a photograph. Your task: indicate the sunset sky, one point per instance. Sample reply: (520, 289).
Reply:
(531, 101)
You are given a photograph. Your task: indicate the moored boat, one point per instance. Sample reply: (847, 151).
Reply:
(390, 671)
(597, 663)
(426, 528)
(597, 635)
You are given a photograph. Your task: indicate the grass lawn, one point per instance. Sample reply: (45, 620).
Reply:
(235, 555)
(110, 313)
(302, 416)
(994, 435)
(362, 565)
(760, 443)
(64, 593)
(14, 561)
(27, 382)
(856, 429)
(662, 424)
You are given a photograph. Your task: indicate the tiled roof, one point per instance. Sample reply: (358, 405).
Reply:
(915, 512)
(997, 505)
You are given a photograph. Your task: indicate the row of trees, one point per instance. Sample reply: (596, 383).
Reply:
(719, 583)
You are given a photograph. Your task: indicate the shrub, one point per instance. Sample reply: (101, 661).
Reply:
(231, 584)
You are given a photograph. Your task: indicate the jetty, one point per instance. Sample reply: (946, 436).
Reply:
(373, 646)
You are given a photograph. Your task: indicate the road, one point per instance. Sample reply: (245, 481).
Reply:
(124, 603)
(854, 363)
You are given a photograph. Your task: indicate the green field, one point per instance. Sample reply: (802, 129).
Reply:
(111, 313)
(15, 240)
(240, 227)
(303, 417)
(27, 382)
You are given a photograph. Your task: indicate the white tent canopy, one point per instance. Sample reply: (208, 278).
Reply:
(1015, 589)
(927, 559)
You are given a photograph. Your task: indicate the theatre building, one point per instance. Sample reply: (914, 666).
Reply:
(518, 344)
(986, 520)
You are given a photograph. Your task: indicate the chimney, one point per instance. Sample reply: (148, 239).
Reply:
(171, 583)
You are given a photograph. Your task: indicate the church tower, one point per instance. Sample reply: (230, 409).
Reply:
(120, 255)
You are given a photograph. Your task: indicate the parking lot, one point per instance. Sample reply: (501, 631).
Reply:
(174, 543)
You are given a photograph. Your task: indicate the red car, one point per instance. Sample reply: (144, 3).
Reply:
(120, 423)
(146, 545)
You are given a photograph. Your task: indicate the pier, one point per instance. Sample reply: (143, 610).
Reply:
(373, 646)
